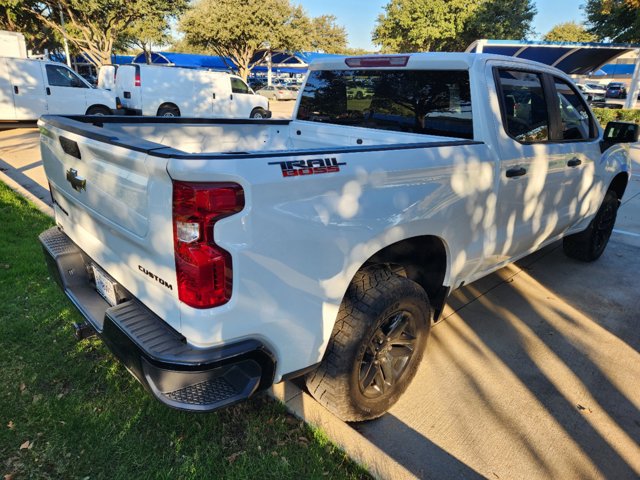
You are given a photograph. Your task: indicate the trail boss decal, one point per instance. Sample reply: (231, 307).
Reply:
(298, 168)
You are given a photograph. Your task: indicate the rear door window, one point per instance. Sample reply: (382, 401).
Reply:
(524, 108)
(576, 122)
(417, 101)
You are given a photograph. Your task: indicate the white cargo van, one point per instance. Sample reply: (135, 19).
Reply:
(31, 88)
(174, 91)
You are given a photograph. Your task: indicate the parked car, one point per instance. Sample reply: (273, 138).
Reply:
(293, 91)
(216, 258)
(152, 90)
(273, 92)
(616, 90)
(592, 94)
(30, 88)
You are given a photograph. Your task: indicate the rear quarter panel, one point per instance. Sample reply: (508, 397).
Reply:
(300, 240)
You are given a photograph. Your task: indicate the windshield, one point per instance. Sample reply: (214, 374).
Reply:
(434, 102)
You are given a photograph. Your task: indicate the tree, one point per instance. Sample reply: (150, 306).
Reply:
(325, 35)
(93, 26)
(498, 19)
(238, 30)
(615, 20)
(569, 32)
(149, 31)
(15, 18)
(449, 25)
(420, 25)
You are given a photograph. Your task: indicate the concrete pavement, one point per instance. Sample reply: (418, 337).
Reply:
(533, 374)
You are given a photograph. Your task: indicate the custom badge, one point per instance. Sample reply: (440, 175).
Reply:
(298, 168)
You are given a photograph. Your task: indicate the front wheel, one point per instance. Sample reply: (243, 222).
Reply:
(590, 244)
(258, 113)
(168, 111)
(98, 110)
(376, 345)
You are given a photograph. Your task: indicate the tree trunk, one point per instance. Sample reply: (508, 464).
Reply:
(243, 71)
(147, 53)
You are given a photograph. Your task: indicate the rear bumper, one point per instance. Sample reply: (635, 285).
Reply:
(176, 373)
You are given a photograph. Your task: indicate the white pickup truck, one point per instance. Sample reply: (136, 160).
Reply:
(216, 257)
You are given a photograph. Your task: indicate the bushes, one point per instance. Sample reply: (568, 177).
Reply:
(605, 115)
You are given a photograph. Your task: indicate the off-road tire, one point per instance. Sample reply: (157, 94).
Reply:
(375, 297)
(589, 244)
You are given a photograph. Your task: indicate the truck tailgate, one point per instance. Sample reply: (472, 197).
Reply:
(105, 197)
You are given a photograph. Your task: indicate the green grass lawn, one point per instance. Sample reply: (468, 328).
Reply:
(70, 410)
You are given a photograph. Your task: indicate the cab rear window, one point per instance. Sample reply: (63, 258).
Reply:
(436, 102)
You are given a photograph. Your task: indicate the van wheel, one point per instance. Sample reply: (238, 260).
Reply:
(98, 110)
(590, 244)
(376, 345)
(258, 113)
(168, 111)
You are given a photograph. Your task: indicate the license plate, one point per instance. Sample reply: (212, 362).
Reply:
(104, 285)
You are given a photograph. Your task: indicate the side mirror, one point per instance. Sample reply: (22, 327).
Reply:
(619, 132)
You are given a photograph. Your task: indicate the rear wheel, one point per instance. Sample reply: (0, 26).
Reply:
(168, 111)
(375, 348)
(98, 110)
(590, 244)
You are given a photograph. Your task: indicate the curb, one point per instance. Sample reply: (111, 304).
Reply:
(358, 448)
(20, 190)
(297, 402)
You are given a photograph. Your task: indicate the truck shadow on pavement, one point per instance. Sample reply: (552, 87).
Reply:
(534, 376)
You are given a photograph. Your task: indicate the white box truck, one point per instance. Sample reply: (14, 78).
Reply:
(30, 88)
(12, 44)
(154, 90)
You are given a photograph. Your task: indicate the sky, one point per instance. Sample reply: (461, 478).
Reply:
(359, 16)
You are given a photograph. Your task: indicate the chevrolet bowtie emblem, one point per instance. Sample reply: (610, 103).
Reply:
(78, 183)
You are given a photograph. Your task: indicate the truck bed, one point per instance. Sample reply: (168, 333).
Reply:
(174, 137)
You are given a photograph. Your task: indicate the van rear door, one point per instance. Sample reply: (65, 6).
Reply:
(27, 82)
(107, 77)
(7, 107)
(128, 87)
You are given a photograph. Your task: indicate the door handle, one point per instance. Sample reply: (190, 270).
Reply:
(574, 162)
(213, 95)
(231, 96)
(16, 90)
(516, 172)
(48, 91)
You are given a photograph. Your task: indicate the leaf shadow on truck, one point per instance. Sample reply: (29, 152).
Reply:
(357, 220)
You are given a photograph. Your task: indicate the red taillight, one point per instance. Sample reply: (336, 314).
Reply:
(204, 270)
(377, 61)
(137, 81)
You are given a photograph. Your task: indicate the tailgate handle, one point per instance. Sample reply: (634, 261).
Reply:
(78, 183)
(516, 172)
(70, 147)
(127, 94)
(574, 162)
